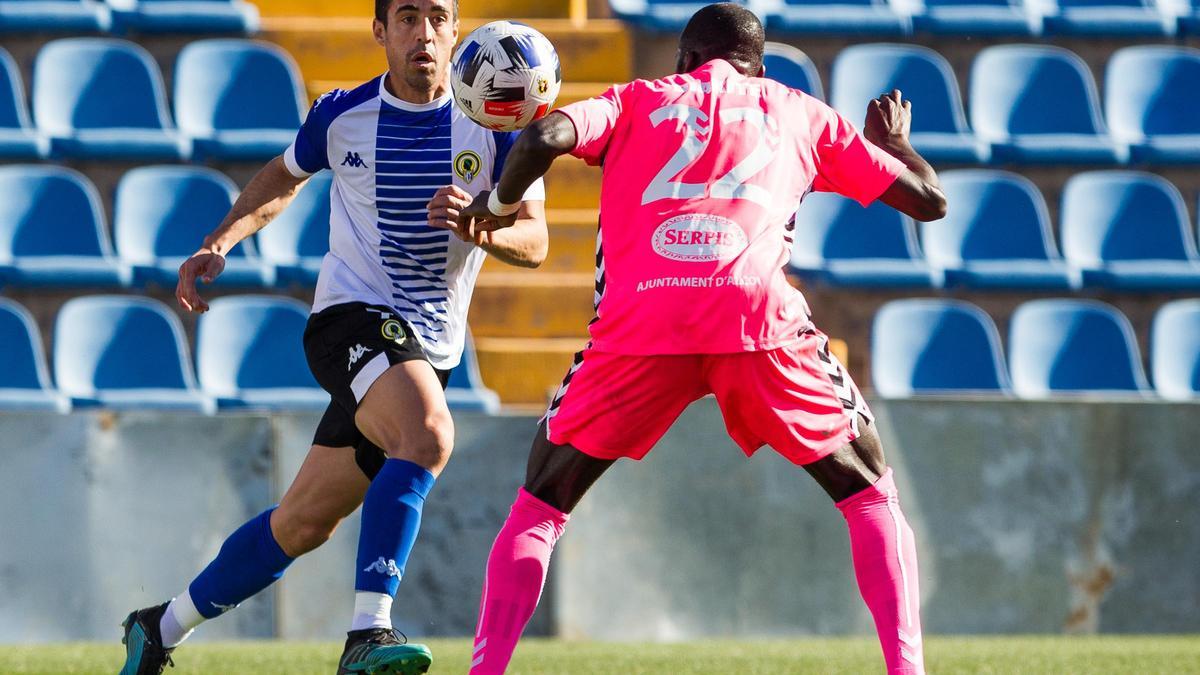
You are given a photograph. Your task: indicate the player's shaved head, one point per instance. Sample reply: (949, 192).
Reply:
(722, 31)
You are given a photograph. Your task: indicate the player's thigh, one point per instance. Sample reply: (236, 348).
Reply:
(373, 366)
(613, 406)
(797, 399)
(404, 412)
(329, 486)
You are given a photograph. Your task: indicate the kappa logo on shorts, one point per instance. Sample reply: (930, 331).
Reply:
(356, 353)
(697, 237)
(394, 330)
(467, 165)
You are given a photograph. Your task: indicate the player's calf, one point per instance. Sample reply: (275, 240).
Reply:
(882, 545)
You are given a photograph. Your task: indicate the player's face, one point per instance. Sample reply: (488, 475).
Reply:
(419, 39)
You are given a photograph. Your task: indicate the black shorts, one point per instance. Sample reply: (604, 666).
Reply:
(348, 347)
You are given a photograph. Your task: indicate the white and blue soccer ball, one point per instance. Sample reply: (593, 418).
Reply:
(505, 75)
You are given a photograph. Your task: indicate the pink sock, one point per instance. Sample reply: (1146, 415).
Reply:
(516, 572)
(885, 564)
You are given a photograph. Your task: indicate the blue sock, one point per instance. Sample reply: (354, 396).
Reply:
(249, 561)
(391, 517)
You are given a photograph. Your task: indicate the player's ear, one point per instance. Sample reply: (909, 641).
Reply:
(380, 32)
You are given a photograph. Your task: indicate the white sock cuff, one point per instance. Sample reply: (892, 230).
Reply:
(185, 612)
(371, 610)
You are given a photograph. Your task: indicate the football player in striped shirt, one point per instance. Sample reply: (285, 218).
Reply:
(388, 324)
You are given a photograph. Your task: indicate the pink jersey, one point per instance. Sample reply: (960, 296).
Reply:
(702, 173)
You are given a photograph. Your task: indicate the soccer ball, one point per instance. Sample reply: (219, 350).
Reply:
(505, 75)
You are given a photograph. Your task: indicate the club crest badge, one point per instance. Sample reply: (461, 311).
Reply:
(467, 165)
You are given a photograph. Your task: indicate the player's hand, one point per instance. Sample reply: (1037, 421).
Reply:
(479, 218)
(444, 210)
(203, 265)
(889, 119)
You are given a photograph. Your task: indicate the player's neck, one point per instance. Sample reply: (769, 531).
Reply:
(398, 87)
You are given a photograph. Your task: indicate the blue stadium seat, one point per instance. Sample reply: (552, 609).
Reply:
(1128, 231)
(24, 379)
(977, 17)
(822, 17)
(1124, 18)
(840, 243)
(163, 214)
(237, 99)
(928, 346)
(792, 67)
(124, 352)
(60, 16)
(465, 390)
(17, 137)
(1149, 100)
(1175, 350)
(296, 242)
(52, 230)
(1073, 346)
(103, 98)
(185, 16)
(1189, 19)
(250, 354)
(939, 127)
(664, 15)
(1037, 104)
(996, 235)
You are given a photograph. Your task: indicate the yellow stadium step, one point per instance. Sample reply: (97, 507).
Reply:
(333, 48)
(525, 372)
(527, 304)
(572, 245)
(484, 9)
(571, 184)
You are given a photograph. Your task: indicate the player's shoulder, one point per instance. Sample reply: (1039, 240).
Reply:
(332, 104)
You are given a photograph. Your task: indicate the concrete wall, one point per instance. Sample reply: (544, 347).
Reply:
(1030, 517)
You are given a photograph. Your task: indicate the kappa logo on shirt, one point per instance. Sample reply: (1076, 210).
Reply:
(354, 161)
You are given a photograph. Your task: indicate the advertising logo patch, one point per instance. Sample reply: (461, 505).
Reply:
(699, 238)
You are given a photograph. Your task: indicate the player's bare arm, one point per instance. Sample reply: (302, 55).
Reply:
(524, 244)
(267, 195)
(530, 158)
(916, 192)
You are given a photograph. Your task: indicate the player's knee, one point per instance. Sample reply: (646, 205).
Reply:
(429, 445)
(299, 533)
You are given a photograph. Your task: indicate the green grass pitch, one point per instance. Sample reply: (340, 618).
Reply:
(944, 655)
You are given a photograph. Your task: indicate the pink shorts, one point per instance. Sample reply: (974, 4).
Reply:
(797, 399)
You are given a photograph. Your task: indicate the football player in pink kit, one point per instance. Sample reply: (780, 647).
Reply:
(702, 172)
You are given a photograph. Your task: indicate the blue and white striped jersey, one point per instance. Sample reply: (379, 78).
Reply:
(388, 158)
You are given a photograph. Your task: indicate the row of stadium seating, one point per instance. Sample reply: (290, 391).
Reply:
(104, 98)
(1028, 104)
(941, 17)
(120, 16)
(1055, 347)
(1120, 230)
(124, 352)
